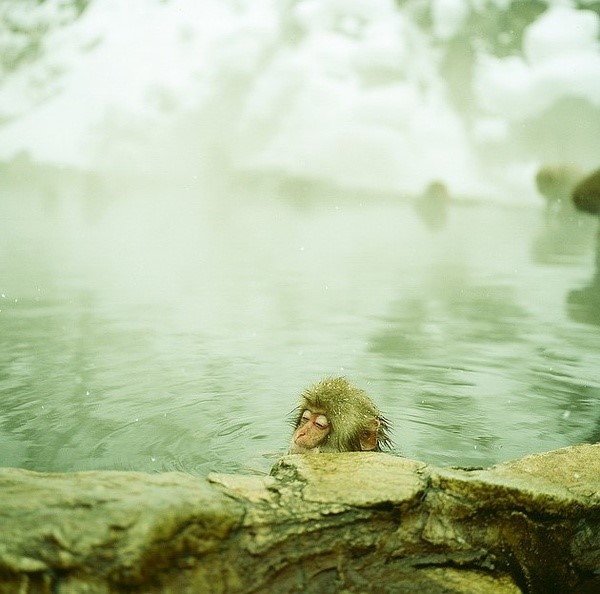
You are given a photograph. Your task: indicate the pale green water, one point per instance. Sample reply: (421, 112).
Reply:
(177, 330)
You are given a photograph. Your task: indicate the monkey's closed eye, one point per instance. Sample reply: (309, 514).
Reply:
(321, 422)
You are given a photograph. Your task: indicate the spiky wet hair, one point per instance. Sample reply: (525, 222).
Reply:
(349, 411)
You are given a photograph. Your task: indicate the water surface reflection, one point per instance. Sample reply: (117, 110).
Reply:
(175, 330)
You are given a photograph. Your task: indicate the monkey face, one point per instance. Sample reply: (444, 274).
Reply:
(334, 416)
(312, 431)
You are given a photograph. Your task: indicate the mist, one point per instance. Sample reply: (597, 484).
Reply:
(380, 95)
(208, 206)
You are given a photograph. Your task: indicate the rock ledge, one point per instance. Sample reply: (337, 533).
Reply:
(356, 522)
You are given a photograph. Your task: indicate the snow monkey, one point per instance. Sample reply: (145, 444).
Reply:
(334, 416)
(586, 194)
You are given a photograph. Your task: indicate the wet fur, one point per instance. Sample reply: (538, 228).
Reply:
(349, 411)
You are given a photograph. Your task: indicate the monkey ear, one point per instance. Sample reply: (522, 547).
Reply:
(368, 439)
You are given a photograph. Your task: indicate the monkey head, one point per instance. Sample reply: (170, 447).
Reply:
(334, 416)
(586, 195)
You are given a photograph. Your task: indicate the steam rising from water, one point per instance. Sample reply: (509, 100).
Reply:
(220, 249)
(377, 95)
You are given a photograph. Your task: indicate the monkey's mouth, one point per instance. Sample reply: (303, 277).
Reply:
(296, 448)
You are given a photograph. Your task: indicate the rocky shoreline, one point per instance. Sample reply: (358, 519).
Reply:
(355, 522)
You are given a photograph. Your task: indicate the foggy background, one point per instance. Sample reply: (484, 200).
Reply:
(373, 94)
(207, 205)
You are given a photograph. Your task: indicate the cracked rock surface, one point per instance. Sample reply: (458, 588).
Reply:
(348, 523)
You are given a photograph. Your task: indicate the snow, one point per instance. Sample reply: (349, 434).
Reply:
(560, 59)
(448, 16)
(358, 98)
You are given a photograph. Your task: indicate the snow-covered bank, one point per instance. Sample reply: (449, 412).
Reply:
(356, 93)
